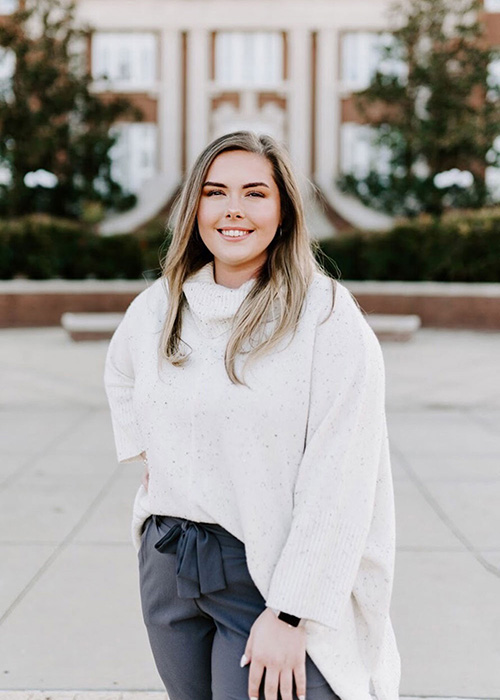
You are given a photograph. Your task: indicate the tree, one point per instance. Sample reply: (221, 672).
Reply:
(51, 122)
(438, 117)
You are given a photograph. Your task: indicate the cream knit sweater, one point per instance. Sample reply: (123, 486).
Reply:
(296, 464)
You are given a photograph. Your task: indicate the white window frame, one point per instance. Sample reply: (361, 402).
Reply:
(125, 61)
(134, 158)
(361, 57)
(243, 58)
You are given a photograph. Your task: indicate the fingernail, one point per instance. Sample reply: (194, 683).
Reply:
(302, 697)
(243, 662)
(254, 698)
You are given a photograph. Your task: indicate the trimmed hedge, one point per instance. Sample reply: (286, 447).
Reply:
(459, 247)
(42, 247)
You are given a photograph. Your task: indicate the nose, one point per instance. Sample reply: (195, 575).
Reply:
(233, 212)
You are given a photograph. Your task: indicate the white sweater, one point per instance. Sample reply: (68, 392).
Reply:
(296, 464)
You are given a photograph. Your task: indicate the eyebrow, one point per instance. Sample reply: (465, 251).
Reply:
(245, 187)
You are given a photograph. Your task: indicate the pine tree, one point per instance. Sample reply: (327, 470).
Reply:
(51, 120)
(437, 115)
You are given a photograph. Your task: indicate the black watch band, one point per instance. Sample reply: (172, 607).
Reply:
(289, 619)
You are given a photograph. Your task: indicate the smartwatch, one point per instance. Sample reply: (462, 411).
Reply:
(285, 617)
(289, 619)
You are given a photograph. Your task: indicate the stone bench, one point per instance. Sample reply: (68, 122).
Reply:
(101, 325)
(90, 326)
(394, 326)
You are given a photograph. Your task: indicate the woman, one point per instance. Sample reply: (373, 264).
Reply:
(253, 387)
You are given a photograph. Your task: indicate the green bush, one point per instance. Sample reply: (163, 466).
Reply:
(43, 247)
(459, 247)
(153, 240)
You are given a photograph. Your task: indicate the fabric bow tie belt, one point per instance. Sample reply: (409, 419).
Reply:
(199, 567)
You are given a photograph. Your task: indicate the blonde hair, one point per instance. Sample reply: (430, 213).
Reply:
(282, 281)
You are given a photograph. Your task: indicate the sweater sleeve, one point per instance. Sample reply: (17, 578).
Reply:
(119, 380)
(345, 446)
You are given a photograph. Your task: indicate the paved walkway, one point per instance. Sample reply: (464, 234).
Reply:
(69, 609)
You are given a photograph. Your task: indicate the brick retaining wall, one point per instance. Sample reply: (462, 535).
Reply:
(30, 303)
(25, 303)
(439, 304)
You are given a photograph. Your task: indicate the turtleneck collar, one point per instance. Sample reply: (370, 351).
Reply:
(212, 305)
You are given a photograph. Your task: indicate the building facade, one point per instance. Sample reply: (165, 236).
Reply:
(200, 68)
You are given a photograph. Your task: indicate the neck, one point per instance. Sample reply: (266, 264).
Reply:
(213, 305)
(234, 276)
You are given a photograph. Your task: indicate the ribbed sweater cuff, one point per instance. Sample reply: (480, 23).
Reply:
(128, 438)
(317, 568)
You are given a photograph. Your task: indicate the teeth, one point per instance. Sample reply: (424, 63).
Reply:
(235, 234)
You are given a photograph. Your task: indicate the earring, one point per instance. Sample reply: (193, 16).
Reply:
(280, 231)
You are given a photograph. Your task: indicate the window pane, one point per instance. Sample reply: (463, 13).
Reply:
(494, 73)
(7, 68)
(359, 154)
(134, 155)
(492, 5)
(8, 6)
(363, 54)
(493, 172)
(244, 59)
(126, 59)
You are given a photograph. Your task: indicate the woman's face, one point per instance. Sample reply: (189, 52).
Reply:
(239, 214)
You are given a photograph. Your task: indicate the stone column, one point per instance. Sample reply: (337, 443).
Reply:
(328, 107)
(197, 93)
(300, 95)
(169, 106)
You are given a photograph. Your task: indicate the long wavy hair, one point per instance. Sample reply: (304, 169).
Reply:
(282, 281)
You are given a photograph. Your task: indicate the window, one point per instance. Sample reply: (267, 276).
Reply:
(492, 5)
(5, 175)
(126, 60)
(359, 154)
(362, 55)
(8, 6)
(134, 155)
(244, 59)
(7, 68)
(493, 173)
(494, 73)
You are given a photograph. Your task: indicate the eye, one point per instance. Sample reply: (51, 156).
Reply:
(256, 194)
(212, 192)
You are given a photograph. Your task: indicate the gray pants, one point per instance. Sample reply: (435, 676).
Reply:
(199, 604)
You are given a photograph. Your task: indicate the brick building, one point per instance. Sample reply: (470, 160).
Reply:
(199, 68)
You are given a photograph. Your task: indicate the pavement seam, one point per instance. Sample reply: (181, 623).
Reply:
(32, 460)
(442, 515)
(480, 420)
(54, 380)
(65, 542)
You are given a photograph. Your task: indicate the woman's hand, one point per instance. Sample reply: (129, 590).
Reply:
(145, 475)
(280, 650)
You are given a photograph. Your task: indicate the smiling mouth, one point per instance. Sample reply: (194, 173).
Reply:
(235, 233)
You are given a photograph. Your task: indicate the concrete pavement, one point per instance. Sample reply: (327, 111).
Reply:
(70, 621)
